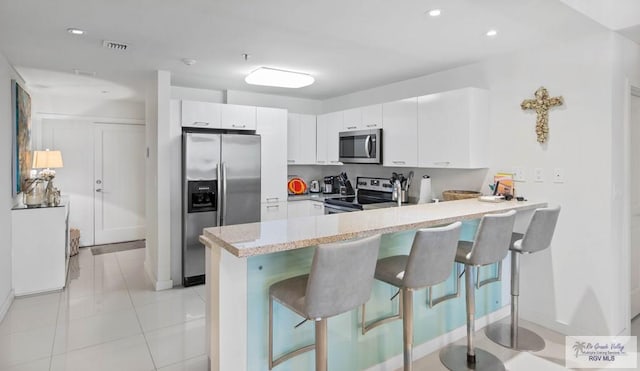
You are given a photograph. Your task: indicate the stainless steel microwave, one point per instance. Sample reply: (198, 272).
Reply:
(361, 147)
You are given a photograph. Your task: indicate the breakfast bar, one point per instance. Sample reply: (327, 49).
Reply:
(242, 261)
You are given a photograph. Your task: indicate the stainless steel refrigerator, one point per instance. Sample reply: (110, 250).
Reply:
(221, 186)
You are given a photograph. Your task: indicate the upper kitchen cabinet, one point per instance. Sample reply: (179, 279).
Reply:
(200, 114)
(272, 127)
(329, 127)
(400, 142)
(301, 139)
(453, 129)
(363, 118)
(236, 117)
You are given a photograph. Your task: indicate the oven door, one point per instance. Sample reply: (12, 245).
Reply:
(361, 147)
(335, 209)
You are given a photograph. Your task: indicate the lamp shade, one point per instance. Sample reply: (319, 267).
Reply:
(47, 159)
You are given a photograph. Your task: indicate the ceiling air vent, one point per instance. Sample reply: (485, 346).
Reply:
(115, 45)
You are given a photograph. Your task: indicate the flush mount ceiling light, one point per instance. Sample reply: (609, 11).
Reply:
(75, 31)
(434, 12)
(280, 78)
(492, 33)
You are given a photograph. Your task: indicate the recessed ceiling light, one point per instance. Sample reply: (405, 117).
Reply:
(434, 12)
(189, 61)
(280, 78)
(492, 33)
(75, 31)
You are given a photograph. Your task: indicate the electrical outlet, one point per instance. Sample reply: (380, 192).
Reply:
(518, 174)
(558, 175)
(538, 175)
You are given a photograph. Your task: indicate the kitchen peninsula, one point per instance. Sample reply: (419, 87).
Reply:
(242, 261)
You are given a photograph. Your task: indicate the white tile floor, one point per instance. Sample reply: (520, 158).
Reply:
(108, 318)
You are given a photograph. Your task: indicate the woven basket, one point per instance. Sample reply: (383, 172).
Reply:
(74, 236)
(453, 195)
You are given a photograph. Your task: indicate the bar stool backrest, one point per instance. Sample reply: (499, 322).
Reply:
(432, 256)
(493, 238)
(540, 231)
(341, 276)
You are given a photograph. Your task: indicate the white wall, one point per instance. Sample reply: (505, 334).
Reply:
(572, 286)
(6, 201)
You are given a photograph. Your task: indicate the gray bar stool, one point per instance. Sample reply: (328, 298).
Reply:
(429, 263)
(490, 246)
(537, 238)
(340, 280)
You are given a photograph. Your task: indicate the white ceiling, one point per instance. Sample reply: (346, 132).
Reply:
(348, 45)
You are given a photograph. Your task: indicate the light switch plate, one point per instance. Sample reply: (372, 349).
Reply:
(518, 174)
(538, 175)
(558, 175)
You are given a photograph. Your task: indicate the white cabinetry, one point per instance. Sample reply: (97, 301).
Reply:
(200, 114)
(303, 208)
(272, 127)
(453, 129)
(329, 127)
(363, 118)
(273, 211)
(40, 244)
(400, 142)
(236, 117)
(301, 139)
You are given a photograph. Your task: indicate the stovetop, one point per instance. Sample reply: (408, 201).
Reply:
(373, 193)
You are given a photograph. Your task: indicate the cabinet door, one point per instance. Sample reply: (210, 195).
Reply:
(352, 119)
(273, 211)
(272, 127)
(452, 130)
(372, 117)
(400, 143)
(334, 127)
(298, 209)
(316, 208)
(301, 142)
(238, 117)
(321, 140)
(200, 114)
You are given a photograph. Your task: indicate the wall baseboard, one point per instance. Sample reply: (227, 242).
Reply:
(6, 304)
(158, 285)
(441, 341)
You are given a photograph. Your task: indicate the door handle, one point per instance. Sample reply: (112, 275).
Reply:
(100, 190)
(224, 193)
(219, 196)
(367, 146)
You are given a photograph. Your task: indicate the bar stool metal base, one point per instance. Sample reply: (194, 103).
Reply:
(526, 340)
(455, 358)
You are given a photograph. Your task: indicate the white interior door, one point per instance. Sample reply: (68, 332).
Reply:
(119, 155)
(75, 180)
(635, 204)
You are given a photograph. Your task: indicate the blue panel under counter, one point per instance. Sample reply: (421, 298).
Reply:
(348, 348)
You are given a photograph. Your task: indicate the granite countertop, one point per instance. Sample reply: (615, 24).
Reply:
(244, 240)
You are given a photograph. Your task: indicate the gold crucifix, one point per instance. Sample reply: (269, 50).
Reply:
(542, 104)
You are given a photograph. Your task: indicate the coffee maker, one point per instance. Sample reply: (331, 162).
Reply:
(331, 185)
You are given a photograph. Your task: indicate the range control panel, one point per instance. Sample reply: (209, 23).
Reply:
(374, 184)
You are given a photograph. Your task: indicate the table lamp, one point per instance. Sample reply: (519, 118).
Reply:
(48, 160)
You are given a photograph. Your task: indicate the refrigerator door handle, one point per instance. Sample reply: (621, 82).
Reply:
(224, 193)
(219, 195)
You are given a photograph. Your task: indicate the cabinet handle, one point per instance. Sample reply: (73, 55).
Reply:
(318, 206)
(320, 162)
(272, 199)
(351, 127)
(442, 163)
(398, 162)
(273, 206)
(372, 125)
(238, 126)
(291, 161)
(335, 162)
(200, 123)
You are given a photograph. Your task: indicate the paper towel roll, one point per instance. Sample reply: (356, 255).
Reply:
(425, 190)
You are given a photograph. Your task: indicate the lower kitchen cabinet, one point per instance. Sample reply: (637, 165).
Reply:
(303, 208)
(273, 211)
(40, 244)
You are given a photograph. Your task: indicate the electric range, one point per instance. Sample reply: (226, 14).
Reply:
(372, 193)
